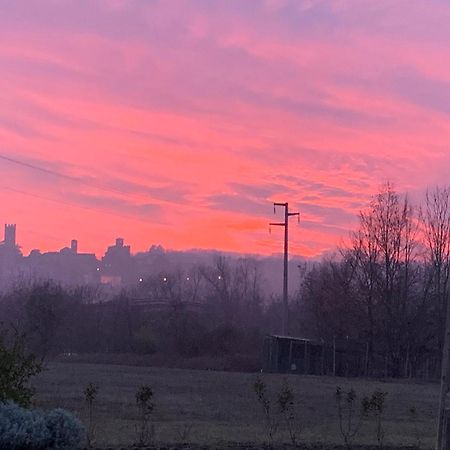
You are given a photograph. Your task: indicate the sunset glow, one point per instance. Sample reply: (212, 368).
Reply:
(180, 122)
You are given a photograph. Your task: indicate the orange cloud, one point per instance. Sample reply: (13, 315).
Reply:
(180, 123)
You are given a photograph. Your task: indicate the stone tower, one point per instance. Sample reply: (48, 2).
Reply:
(10, 235)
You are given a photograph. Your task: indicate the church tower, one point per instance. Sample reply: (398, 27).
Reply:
(10, 235)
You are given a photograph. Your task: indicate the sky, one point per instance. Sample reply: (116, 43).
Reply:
(180, 122)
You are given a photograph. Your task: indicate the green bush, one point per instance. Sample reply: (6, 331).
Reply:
(17, 366)
(22, 428)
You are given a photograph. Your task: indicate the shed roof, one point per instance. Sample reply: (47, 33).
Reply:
(295, 338)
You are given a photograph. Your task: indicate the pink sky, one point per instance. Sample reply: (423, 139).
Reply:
(179, 122)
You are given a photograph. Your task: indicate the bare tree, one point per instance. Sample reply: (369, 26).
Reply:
(435, 218)
(366, 253)
(394, 231)
(236, 288)
(328, 296)
(436, 224)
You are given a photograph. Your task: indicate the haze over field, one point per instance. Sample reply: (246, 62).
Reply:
(180, 122)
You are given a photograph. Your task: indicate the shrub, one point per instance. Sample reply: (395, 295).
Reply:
(184, 432)
(270, 422)
(278, 411)
(16, 369)
(144, 401)
(22, 428)
(65, 430)
(374, 405)
(415, 421)
(349, 418)
(286, 404)
(90, 395)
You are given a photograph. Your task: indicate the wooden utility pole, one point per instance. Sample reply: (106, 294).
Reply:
(442, 422)
(285, 224)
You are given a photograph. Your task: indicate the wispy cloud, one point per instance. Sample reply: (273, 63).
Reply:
(184, 120)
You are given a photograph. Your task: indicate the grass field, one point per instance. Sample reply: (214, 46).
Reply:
(222, 407)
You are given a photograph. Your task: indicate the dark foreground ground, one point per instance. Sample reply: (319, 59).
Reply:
(220, 410)
(243, 446)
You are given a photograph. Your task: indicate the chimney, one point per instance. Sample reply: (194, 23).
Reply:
(74, 246)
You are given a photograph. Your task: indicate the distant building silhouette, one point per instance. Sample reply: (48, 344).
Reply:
(10, 236)
(117, 267)
(66, 266)
(10, 255)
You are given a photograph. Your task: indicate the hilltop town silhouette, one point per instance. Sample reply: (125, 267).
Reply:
(118, 267)
(68, 264)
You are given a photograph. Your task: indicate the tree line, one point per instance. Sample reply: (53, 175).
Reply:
(217, 312)
(387, 288)
(389, 285)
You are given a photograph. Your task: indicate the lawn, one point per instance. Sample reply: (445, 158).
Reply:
(221, 407)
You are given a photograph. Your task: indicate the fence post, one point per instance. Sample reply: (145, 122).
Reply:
(366, 362)
(334, 356)
(446, 434)
(322, 369)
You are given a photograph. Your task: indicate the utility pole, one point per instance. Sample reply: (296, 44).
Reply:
(285, 224)
(441, 438)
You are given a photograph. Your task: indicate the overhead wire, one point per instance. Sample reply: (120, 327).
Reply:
(72, 204)
(71, 178)
(61, 175)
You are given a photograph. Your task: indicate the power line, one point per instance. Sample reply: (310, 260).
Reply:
(70, 178)
(35, 167)
(61, 175)
(75, 205)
